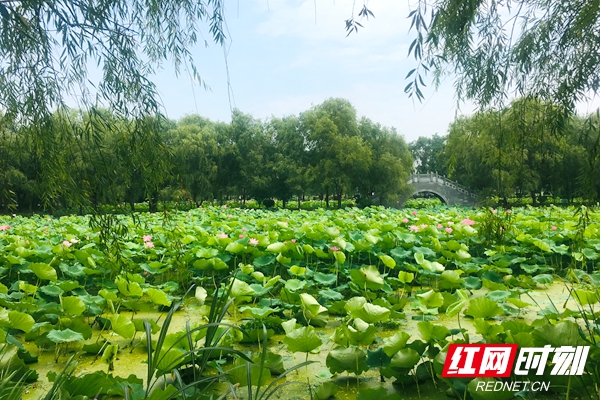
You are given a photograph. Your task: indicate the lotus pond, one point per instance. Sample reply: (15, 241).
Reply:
(233, 303)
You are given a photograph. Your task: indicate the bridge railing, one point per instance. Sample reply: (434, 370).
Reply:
(433, 177)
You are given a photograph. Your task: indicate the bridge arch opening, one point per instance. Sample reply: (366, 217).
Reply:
(428, 194)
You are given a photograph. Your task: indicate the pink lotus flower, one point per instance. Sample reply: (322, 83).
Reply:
(241, 236)
(554, 227)
(508, 211)
(223, 236)
(243, 229)
(449, 230)
(148, 245)
(405, 220)
(440, 226)
(334, 248)
(293, 240)
(467, 221)
(450, 223)
(147, 238)
(66, 243)
(414, 213)
(494, 211)
(423, 226)
(4, 227)
(352, 214)
(253, 241)
(413, 228)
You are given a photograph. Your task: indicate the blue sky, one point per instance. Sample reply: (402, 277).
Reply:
(285, 56)
(282, 61)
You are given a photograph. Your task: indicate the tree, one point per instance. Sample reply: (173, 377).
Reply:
(541, 48)
(47, 45)
(391, 163)
(338, 156)
(429, 155)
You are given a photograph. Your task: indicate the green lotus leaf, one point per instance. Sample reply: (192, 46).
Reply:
(64, 336)
(378, 358)
(16, 320)
(51, 290)
(406, 277)
(400, 252)
(482, 307)
(281, 259)
(297, 270)
(368, 277)
(431, 299)
(310, 306)
(542, 245)
(324, 279)
(241, 291)
(405, 358)
(372, 313)
(122, 326)
(302, 340)
(543, 279)
(472, 282)
(289, 325)
(565, 333)
(158, 297)
(212, 264)
(452, 276)
(350, 359)
(355, 303)
(463, 256)
(72, 305)
(240, 370)
(498, 295)
(235, 247)
(431, 331)
(455, 308)
(325, 390)
(206, 253)
(387, 261)
(393, 344)
(259, 312)
(339, 256)
(277, 247)
(43, 271)
(585, 297)
(129, 288)
(331, 295)
(294, 285)
(517, 302)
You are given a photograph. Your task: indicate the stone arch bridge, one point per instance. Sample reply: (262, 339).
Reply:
(449, 192)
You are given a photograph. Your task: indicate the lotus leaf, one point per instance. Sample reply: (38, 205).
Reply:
(43, 271)
(72, 305)
(350, 359)
(122, 326)
(482, 307)
(158, 297)
(372, 313)
(302, 340)
(64, 336)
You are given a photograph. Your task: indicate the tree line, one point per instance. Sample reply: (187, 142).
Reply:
(100, 158)
(528, 149)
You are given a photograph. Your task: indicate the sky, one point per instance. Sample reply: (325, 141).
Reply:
(285, 56)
